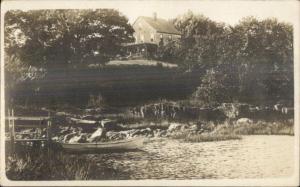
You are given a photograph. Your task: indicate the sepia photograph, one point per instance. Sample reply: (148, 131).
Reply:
(149, 92)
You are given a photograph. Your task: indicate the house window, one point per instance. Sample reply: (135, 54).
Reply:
(152, 37)
(142, 38)
(135, 39)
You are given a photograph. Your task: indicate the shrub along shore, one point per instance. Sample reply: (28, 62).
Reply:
(68, 128)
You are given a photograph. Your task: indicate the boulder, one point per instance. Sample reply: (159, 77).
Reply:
(244, 121)
(55, 138)
(143, 132)
(235, 110)
(28, 131)
(88, 110)
(130, 133)
(78, 139)
(184, 128)
(155, 132)
(194, 127)
(69, 136)
(159, 133)
(64, 131)
(111, 135)
(288, 110)
(147, 131)
(58, 138)
(230, 110)
(174, 127)
(61, 114)
(89, 117)
(278, 107)
(134, 133)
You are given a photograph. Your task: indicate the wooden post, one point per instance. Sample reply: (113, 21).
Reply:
(49, 133)
(49, 128)
(13, 123)
(11, 130)
(49, 136)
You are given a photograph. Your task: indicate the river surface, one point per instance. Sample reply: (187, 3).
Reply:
(250, 157)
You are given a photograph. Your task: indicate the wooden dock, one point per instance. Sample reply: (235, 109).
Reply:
(43, 122)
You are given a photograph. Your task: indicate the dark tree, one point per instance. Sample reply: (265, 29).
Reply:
(249, 62)
(50, 38)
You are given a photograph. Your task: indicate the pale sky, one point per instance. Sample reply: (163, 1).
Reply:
(226, 11)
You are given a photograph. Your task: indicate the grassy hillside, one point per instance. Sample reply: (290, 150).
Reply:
(117, 85)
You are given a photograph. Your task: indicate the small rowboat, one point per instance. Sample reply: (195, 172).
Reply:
(89, 122)
(82, 121)
(131, 144)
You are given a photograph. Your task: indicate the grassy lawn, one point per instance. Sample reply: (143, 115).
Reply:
(232, 131)
(206, 137)
(141, 62)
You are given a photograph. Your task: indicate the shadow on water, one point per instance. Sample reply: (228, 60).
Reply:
(102, 151)
(44, 163)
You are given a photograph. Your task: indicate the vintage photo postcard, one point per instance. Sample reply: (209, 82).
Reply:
(149, 93)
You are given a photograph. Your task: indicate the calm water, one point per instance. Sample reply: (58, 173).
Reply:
(251, 157)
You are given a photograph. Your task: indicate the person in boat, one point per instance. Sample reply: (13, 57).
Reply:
(103, 136)
(100, 134)
(104, 131)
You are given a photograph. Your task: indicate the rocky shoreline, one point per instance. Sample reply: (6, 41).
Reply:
(71, 126)
(194, 132)
(71, 134)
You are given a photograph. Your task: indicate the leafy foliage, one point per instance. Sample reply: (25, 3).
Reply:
(265, 58)
(217, 87)
(42, 164)
(170, 52)
(51, 38)
(250, 62)
(38, 42)
(201, 40)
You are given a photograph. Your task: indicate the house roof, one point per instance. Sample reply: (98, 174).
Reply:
(161, 25)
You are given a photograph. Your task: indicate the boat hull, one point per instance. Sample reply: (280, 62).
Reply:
(133, 144)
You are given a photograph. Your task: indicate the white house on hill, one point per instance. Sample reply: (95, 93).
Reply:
(154, 30)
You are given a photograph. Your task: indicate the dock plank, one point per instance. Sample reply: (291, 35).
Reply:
(28, 140)
(31, 118)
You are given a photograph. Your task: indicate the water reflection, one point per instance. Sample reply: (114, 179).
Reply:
(251, 157)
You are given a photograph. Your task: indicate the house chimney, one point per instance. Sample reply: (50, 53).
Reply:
(154, 16)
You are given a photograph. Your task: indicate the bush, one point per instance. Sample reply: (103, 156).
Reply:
(34, 164)
(265, 128)
(95, 101)
(217, 87)
(206, 137)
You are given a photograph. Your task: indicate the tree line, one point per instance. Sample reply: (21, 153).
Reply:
(251, 61)
(63, 38)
